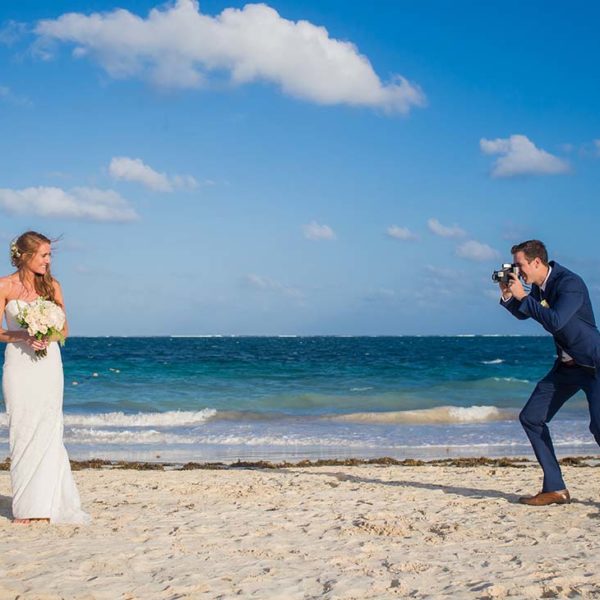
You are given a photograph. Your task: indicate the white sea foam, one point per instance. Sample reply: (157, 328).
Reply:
(477, 414)
(144, 436)
(124, 439)
(143, 421)
(511, 379)
(571, 441)
(90, 436)
(99, 438)
(283, 440)
(440, 414)
(496, 361)
(200, 335)
(120, 419)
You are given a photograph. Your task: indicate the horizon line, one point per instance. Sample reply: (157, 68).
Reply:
(315, 335)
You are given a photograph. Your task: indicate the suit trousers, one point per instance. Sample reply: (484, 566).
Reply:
(560, 384)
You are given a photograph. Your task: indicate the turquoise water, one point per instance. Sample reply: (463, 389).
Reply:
(269, 397)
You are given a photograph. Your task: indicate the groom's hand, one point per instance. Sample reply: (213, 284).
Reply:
(515, 287)
(505, 291)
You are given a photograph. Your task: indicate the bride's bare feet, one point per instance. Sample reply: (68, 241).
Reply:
(29, 521)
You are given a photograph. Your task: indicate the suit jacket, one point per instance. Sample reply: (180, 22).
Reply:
(568, 316)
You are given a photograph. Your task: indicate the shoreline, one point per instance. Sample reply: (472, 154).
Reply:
(457, 462)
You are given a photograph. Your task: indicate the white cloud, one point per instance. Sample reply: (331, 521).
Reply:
(473, 250)
(520, 156)
(186, 182)
(589, 149)
(11, 32)
(401, 233)
(79, 203)
(453, 231)
(443, 273)
(381, 296)
(7, 95)
(567, 148)
(314, 231)
(134, 169)
(178, 47)
(258, 282)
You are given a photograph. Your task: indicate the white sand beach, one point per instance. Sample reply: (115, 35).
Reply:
(319, 532)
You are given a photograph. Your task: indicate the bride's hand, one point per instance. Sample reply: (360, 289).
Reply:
(36, 344)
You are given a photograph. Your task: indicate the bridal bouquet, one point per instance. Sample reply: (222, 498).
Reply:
(43, 319)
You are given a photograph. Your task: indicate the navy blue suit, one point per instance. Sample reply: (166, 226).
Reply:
(564, 310)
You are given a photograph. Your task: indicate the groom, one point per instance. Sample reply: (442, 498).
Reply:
(560, 302)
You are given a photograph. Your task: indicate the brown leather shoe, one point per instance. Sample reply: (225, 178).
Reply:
(545, 498)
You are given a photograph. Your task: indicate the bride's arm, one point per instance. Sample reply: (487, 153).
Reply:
(7, 336)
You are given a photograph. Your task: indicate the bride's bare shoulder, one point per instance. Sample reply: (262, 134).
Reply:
(56, 286)
(5, 287)
(6, 283)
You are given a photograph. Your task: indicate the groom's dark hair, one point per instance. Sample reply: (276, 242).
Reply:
(532, 249)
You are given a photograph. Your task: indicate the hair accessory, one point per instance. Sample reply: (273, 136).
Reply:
(14, 251)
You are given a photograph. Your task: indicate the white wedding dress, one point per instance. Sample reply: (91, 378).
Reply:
(42, 482)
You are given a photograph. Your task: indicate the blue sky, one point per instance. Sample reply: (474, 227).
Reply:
(330, 167)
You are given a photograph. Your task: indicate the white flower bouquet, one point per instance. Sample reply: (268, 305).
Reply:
(43, 320)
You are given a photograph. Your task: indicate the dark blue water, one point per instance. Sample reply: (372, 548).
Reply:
(195, 398)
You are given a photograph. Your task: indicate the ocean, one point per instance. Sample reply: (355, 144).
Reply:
(179, 399)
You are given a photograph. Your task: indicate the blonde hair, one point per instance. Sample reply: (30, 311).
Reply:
(21, 252)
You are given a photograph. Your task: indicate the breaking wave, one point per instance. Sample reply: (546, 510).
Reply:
(439, 415)
(172, 418)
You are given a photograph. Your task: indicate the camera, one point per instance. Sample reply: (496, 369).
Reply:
(502, 275)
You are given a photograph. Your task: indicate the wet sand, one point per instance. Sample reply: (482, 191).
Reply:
(339, 530)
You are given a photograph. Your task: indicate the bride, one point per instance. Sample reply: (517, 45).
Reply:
(42, 483)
